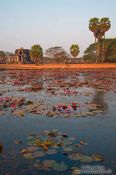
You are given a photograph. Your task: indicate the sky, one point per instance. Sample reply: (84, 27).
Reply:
(52, 22)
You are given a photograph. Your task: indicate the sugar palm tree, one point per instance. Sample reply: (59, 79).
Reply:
(74, 50)
(99, 27)
(105, 25)
(93, 27)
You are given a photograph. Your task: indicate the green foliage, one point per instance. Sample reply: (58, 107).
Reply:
(2, 57)
(89, 54)
(105, 24)
(57, 53)
(36, 53)
(109, 49)
(93, 24)
(2, 54)
(99, 27)
(7, 54)
(89, 58)
(74, 50)
(111, 52)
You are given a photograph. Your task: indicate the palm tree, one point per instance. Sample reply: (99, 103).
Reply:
(99, 27)
(93, 27)
(74, 50)
(105, 26)
(36, 53)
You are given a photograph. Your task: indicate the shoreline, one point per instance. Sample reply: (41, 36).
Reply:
(56, 66)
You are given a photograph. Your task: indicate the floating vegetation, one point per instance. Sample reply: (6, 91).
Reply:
(61, 85)
(54, 142)
(51, 96)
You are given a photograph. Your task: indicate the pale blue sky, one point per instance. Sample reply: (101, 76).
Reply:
(51, 22)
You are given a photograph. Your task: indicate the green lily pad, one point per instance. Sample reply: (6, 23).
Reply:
(76, 171)
(67, 143)
(97, 157)
(38, 154)
(55, 147)
(48, 163)
(85, 158)
(51, 151)
(38, 165)
(59, 166)
(68, 149)
(28, 155)
(31, 149)
(75, 156)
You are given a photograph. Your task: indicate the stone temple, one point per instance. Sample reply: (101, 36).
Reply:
(21, 56)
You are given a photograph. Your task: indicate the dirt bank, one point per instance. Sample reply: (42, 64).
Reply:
(56, 66)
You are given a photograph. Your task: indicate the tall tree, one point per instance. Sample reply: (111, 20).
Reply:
(109, 47)
(99, 27)
(105, 26)
(93, 27)
(89, 54)
(74, 50)
(2, 56)
(36, 54)
(57, 53)
(110, 54)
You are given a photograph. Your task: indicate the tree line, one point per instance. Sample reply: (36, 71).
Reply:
(100, 51)
(36, 53)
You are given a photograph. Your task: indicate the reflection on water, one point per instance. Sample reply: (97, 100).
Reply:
(91, 127)
(99, 100)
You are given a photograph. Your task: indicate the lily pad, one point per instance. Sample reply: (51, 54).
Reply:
(86, 159)
(48, 163)
(38, 165)
(2, 113)
(38, 154)
(59, 166)
(32, 149)
(75, 156)
(76, 171)
(19, 113)
(51, 151)
(28, 155)
(68, 149)
(97, 157)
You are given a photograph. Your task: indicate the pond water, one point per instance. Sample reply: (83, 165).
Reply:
(57, 122)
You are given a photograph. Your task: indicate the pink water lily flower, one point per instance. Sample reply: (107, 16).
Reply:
(12, 106)
(1, 99)
(16, 83)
